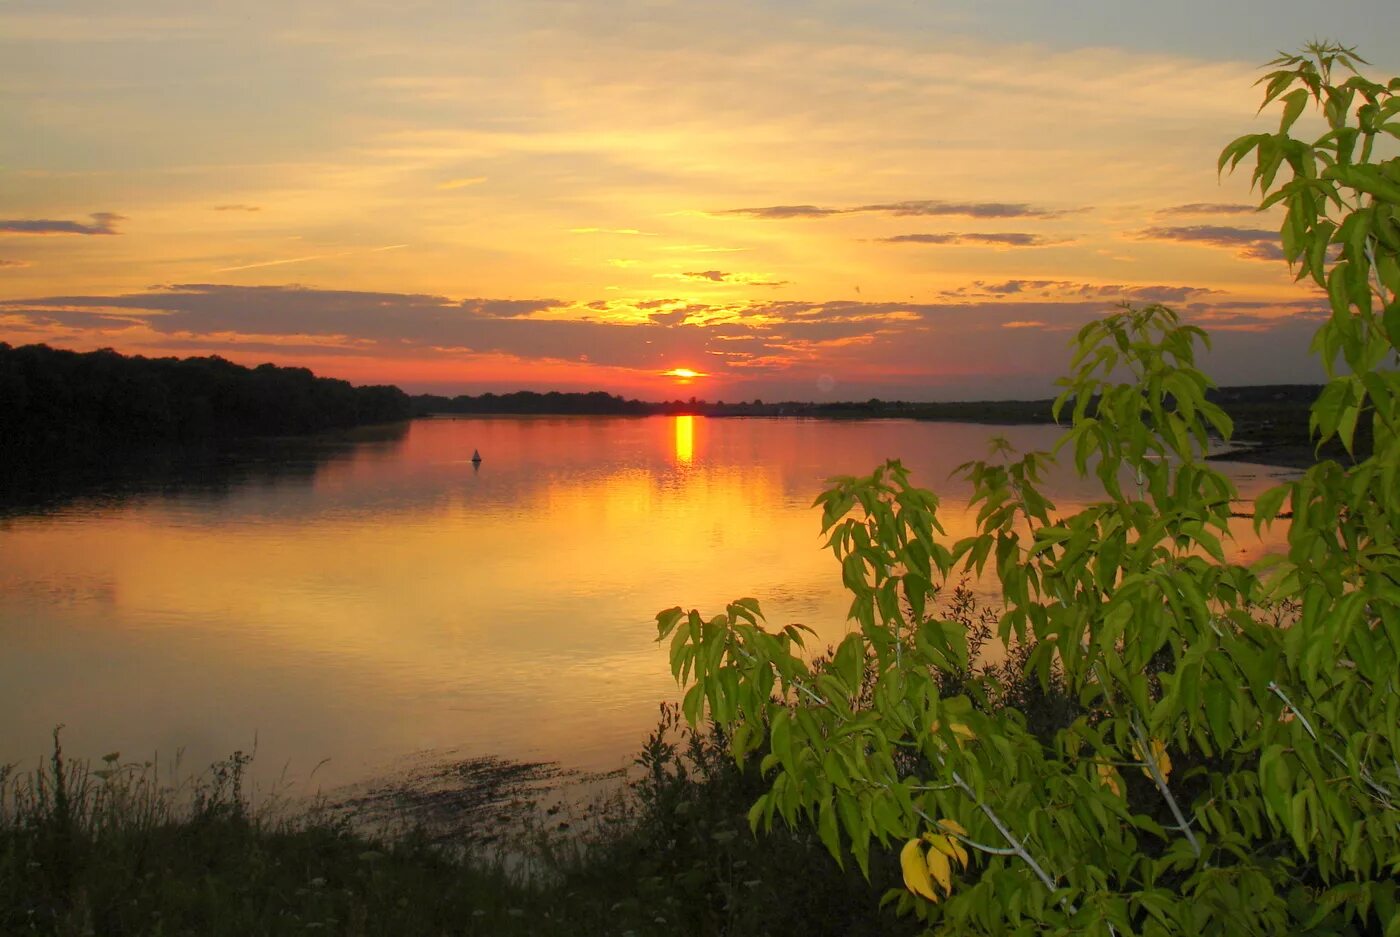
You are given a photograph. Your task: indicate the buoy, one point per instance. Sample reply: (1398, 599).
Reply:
(476, 457)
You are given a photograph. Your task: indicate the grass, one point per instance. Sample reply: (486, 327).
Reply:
(109, 848)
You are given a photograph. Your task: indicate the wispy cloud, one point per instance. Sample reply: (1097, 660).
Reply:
(272, 263)
(1072, 290)
(1003, 239)
(1249, 243)
(1023, 324)
(1209, 208)
(785, 211)
(914, 207)
(462, 183)
(14, 264)
(925, 207)
(238, 207)
(722, 276)
(103, 222)
(307, 258)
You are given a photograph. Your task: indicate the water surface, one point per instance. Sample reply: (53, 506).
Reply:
(377, 599)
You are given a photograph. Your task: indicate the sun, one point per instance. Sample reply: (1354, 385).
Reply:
(683, 375)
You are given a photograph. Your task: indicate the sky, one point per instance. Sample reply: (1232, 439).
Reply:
(819, 200)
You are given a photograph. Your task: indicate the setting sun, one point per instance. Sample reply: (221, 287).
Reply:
(685, 375)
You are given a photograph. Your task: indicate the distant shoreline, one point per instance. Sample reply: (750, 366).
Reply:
(1271, 421)
(78, 408)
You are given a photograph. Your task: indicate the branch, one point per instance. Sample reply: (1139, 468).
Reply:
(1017, 848)
(1379, 791)
(1183, 824)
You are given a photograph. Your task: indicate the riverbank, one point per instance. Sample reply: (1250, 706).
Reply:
(111, 849)
(1271, 421)
(1300, 456)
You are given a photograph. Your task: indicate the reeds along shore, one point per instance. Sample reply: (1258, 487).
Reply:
(116, 847)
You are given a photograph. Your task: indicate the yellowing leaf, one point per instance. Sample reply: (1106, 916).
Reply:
(948, 845)
(1108, 777)
(953, 826)
(940, 869)
(916, 879)
(942, 843)
(960, 852)
(1159, 757)
(961, 733)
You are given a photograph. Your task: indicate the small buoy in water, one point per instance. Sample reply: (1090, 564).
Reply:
(476, 457)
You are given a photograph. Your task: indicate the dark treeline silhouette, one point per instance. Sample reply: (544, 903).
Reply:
(1277, 411)
(84, 403)
(527, 401)
(599, 403)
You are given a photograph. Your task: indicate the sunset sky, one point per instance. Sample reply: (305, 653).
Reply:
(795, 200)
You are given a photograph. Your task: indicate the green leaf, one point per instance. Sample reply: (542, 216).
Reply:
(1294, 102)
(1268, 503)
(827, 830)
(780, 737)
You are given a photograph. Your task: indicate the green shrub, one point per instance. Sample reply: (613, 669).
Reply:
(1228, 757)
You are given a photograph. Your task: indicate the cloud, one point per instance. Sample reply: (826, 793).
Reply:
(1249, 243)
(785, 211)
(916, 207)
(1071, 290)
(272, 263)
(14, 264)
(308, 257)
(1209, 208)
(1003, 239)
(508, 308)
(969, 209)
(416, 325)
(103, 222)
(721, 276)
(238, 207)
(974, 344)
(461, 183)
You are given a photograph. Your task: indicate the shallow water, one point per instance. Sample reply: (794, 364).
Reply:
(346, 607)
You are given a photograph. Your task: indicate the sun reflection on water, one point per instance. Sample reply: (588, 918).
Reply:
(685, 439)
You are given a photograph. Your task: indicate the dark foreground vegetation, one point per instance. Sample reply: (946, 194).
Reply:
(109, 850)
(86, 404)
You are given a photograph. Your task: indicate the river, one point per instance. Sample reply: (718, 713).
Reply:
(346, 606)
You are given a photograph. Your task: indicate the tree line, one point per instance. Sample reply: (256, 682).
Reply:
(51, 399)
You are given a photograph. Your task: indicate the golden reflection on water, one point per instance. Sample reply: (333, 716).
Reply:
(685, 438)
(398, 600)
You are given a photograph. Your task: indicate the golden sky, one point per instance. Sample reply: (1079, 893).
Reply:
(823, 200)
